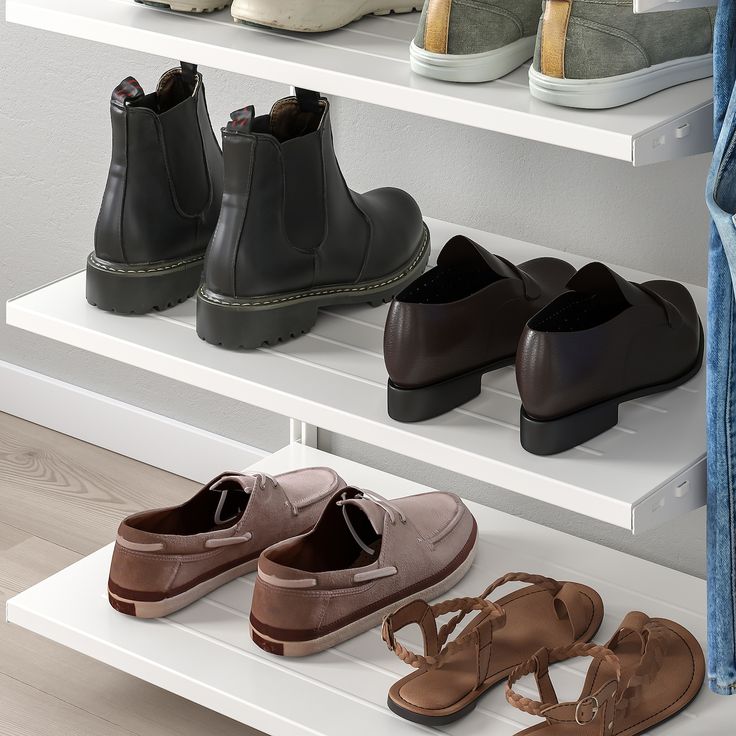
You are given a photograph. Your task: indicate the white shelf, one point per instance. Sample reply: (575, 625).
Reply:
(204, 652)
(368, 61)
(646, 471)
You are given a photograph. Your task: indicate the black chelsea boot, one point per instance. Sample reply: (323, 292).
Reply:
(162, 197)
(292, 237)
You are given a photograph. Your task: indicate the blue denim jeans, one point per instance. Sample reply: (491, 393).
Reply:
(721, 364)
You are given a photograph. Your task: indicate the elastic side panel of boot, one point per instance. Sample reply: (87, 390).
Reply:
(304, 210)
(185, 158)
(553, 37)
(437, 27)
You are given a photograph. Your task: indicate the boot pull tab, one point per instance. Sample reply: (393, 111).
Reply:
(188, 72)
(308, 100)
(242, 120)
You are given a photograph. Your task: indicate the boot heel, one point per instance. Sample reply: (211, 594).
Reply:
(233, 325)
(548, 437)
(426, 402)
(130, 290)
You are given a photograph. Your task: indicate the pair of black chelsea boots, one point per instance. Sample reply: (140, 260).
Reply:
(264, 240)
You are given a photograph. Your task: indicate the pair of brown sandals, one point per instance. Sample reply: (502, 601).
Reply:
(649, 670)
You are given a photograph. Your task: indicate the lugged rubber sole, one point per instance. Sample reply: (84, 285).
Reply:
(598, 94)
(481, 67)
(267, 320)
(315, 16)
(548, 437)
(426, 402)
(124, 289)
(157, 609)
(312, 646)
(188, 6)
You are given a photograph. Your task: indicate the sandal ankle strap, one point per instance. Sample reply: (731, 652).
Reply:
(586, 708)
(436, 647)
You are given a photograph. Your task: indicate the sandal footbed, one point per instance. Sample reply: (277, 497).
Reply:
(452, 688)
(684, 667)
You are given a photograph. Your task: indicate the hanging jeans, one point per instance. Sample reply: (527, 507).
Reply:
(721, 364)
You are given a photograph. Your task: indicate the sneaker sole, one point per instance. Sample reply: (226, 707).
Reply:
(116, 287)
(598, 94)
(314, 16)
(158, 609)
(268, 320)
(312, 646)
(482, 67)
(188, 6)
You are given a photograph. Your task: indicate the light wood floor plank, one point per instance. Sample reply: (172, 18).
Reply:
(71, 493)
(59, 499)
(28, 712)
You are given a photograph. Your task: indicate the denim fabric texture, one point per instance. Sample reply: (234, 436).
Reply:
(721, 364)
(485, 25)
(606, 38)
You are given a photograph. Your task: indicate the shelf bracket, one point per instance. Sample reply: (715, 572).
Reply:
(303, 433)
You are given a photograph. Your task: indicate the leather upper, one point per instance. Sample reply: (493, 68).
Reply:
(288, 220)
(602, 338)
(465, 313)
(164, 185)
(315, 584)
(162, 552)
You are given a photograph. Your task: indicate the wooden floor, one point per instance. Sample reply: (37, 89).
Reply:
(61, 499)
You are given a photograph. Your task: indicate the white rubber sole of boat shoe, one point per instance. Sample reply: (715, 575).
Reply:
(313, 16)
(312, 646)
(483, 67)
(598, 94)
(188, 6)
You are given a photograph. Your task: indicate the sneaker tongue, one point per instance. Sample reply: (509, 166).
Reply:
(597, 278)
(234, 491)
(129, 89)
(242, 120)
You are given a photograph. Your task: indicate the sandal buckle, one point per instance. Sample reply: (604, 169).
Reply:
(590, 701)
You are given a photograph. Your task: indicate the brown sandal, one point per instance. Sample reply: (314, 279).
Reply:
(649, 671)
(452, 675)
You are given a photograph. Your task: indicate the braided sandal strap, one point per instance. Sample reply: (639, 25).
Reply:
(561, 654)
(512, 577)
(434, 661)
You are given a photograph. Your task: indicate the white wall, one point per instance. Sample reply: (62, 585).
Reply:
(54, 148)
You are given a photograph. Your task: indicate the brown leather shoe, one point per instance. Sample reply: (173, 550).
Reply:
(167, 558)
(603, 342)
(458, 321)
(648, 672)
(452, 676)
(365, 556)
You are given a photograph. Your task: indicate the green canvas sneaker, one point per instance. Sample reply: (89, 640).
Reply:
(474, 40)
(599, 53)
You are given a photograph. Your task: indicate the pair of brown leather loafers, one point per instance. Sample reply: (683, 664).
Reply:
(648, 671)
(583, 342)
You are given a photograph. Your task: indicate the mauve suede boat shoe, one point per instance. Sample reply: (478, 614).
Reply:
(365, 556)
(167, 558)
